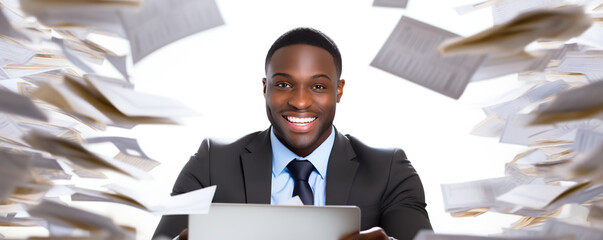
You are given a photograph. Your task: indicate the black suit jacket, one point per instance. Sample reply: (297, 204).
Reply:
(382, 182)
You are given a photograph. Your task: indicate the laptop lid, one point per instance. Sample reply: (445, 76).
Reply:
(273, 222)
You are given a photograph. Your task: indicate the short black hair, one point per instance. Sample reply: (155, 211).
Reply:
(307, 36)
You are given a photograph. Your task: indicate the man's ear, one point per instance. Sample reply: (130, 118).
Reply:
(264, 85)
(340, 85)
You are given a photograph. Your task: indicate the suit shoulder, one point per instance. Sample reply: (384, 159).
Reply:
(230, 145)
(363, 150)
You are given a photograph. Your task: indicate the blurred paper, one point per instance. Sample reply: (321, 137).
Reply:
(75, 60)
(120, 63)
(129, 152)
(14, 171)
(98, 15)
(582, 102)
(390, 3)
(7, 29)
(496, 66)
(468, 8)
(587, 140)
(593, 36)
(492, 126)
(590, 66)
(159, 22)
(519, 129)
(589, 165)
(474, 194)
(558, 228)
(595, 215)
(534, 95)
(10, 131)
(14, 53)
(20, 105)
(80, 155)
(411, 52)
(532, 195)
(430, 235)
(17, 71)
(194, 202)
(506, 10)
(511, 37)
(69, 217)
(137, 104)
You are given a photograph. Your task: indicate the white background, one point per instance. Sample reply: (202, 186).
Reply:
(218, 73)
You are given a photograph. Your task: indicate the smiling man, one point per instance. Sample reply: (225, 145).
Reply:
(302, 154)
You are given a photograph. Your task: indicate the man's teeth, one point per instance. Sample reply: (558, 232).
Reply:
(297, 120)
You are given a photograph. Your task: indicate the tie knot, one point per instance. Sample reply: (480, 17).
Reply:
(300, 169)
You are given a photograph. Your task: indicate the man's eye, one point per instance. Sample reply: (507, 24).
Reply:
(282, 84)
(319, 87)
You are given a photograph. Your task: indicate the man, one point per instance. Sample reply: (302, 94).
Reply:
(301, 88)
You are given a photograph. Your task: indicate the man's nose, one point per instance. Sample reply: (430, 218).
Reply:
(300, 99)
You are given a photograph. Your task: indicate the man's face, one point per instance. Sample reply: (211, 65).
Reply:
(301, 89)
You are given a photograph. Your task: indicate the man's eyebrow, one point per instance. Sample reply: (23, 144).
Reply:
(281, 74)
(321, 75)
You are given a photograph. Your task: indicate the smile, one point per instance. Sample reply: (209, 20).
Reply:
(300, 121)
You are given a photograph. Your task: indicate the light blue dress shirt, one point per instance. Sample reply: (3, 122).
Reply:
(283, 183)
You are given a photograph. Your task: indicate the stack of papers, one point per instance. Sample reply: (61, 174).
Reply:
(56, 96)
(557, 114)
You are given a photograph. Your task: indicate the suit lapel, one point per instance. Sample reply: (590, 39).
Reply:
(340, 171)
(257, 169)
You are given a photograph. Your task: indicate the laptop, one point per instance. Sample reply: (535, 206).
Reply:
(273, 222)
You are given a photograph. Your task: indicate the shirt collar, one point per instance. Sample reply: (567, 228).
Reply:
(281, 155)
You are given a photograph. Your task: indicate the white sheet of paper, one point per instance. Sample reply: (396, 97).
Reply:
(537, 94)
(593, 36)
(480, 193)
(411, 52)
(130, 151)
(519, 131)
(133, 104)
(294, 201)
(390, 3)
(62, 96)
(159, 22)
(194, 202)
(532, 195)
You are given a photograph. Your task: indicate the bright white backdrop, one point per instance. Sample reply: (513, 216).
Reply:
(218, 72)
